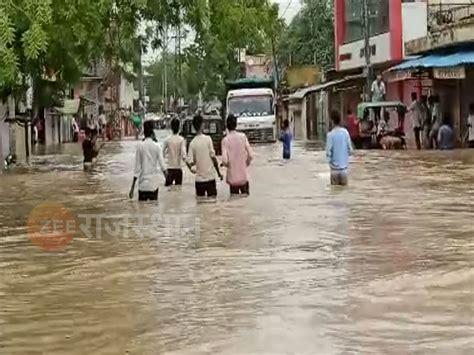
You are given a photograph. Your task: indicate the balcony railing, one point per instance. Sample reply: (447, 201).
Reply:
(446, 15)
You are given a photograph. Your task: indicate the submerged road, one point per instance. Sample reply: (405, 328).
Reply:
(384, 266)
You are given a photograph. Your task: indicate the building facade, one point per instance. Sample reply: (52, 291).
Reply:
(445, 64)
(385, 26)
(391, 24)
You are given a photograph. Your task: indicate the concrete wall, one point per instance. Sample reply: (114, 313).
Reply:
(127, 93)
(20, 143)
(51, 124)
(382, 52)
(297, 118)
(458, 27)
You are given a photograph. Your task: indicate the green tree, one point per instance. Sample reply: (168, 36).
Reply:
(225, 26)
(309, 39)
(61, 37)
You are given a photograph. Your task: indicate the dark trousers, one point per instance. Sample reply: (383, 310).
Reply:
(417, 132)
(242, 189)
(148, 195)
(174, 176)
(204, 188)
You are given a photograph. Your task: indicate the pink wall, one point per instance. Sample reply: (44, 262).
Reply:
(401, 91)
(338, 27)
(396, 29)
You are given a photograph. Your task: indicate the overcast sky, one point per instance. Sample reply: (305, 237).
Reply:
(288, 8)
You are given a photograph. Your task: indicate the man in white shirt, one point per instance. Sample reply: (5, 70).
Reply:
(147, 159)
(470, 125)
(378, 89)
(174, 148)
(378, 94)
(417, 117)
(102, 121)
(203, 156)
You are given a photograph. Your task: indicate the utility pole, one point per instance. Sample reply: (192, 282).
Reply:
(178, 75)
(367, 49)
(165, 70)
(141, 81)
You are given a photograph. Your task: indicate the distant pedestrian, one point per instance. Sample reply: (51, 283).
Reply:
(426, 122)
(102, 122)
(75, 130)
(90, 148)
(148, 161)
(436, 121)
(236, 156)
(338, 150)
(446, 134)
(416, 110)
(202, 157)
(174, 147)
(470, 126)
(353, 128)
(286, 137)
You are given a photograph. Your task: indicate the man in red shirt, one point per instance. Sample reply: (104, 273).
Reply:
(353, 128)
(236, 156)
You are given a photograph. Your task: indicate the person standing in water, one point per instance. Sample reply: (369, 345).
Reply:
(436, 121)
(236, 156)
(148, 159)
(174, 148)
(90, 149)
(416, 109)
(286, 137)
(446, 134)
(338, 150)
(202, 157)
(470, 126)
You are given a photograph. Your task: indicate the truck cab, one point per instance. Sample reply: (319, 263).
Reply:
(252, 102)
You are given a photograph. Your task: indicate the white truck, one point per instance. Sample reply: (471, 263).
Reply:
(253, 102)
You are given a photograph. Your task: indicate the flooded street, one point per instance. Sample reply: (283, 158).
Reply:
(384, 266)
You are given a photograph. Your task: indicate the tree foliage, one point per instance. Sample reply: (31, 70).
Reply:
(65, 36)
(309, 39)
(220, 28)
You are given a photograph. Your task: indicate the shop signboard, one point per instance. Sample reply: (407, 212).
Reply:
(399, 75)
(449, 73)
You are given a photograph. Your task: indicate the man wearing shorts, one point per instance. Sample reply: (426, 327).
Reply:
(147, 159)
(236, 156)
(338, 150)
(202, 157)
(175, 148)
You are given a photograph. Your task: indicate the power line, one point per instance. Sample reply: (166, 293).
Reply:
(286, 9)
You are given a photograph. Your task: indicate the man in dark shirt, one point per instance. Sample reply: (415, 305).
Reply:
(89, 148)
(446, 134)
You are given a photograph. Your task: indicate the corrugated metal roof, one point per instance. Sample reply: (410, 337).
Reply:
(300, 94)
(438, 60)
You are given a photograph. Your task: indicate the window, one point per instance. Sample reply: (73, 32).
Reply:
(251, 105)
(379, 19)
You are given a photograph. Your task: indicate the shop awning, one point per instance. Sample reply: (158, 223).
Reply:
(438, 60)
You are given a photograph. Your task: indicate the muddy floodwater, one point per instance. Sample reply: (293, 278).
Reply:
(384, 266)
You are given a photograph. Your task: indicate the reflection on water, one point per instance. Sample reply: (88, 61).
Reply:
(384, 266)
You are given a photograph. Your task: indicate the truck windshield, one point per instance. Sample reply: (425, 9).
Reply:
(251, 105)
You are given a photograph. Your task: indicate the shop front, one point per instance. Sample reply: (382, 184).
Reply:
(448, 74)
